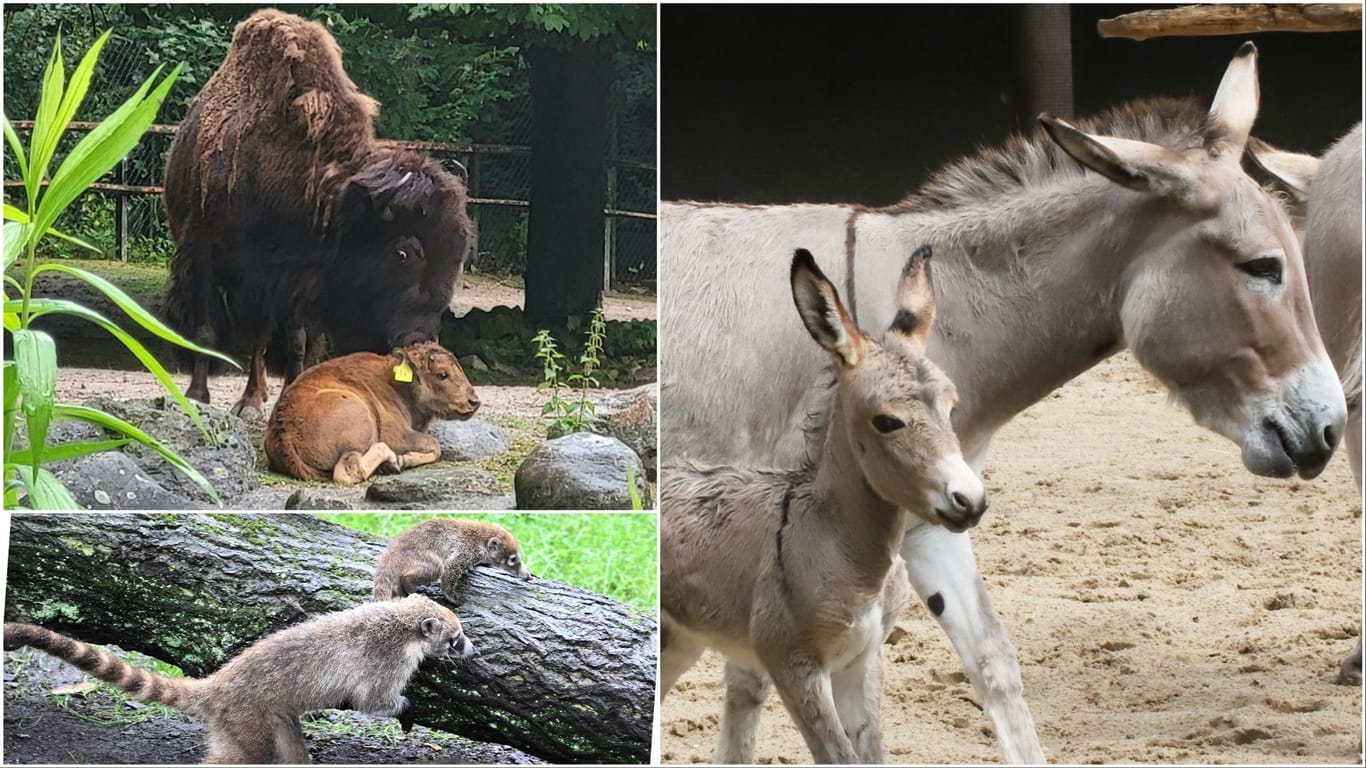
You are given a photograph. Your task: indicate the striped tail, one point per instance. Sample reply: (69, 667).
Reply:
(140, 683)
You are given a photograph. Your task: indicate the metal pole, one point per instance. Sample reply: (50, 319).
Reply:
(121, 213)
(473, 178)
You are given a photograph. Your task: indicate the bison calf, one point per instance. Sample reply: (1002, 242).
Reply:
(351, 415)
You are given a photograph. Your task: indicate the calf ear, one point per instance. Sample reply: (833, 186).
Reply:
(823, 313)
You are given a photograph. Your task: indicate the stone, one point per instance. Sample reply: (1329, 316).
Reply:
(469, 440)
(436, 487)
(579, 471)
(226, 458)
(308, 498)
(112, 480)
(631, 416)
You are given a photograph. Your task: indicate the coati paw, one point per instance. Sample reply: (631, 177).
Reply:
(405, 716)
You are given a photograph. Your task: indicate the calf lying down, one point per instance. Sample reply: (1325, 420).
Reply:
(350, 416)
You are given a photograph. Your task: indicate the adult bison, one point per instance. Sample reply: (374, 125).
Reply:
(291, 219)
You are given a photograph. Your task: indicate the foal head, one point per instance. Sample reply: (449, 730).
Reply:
(1215, 301)
(894, 405)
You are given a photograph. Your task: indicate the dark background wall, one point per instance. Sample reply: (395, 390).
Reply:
(860, 103)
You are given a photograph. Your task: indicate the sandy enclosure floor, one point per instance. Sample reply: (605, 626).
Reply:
(1167, 606)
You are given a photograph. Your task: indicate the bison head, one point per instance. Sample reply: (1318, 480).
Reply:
(402, 238)
(439, 387)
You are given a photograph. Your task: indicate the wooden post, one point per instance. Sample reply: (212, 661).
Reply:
(472, 171)
(1046, 49)
(609, 221)
(121, 213)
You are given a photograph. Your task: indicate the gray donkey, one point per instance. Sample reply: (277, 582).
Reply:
(795, 574)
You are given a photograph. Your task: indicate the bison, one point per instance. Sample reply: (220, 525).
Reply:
(349, 416)
(293, 222)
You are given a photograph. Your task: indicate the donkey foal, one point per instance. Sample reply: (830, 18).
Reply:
(795, 575)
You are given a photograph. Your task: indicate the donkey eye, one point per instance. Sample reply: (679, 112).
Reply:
(1264, 268)
(887, 424)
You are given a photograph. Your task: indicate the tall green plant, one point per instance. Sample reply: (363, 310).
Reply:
(30, 379)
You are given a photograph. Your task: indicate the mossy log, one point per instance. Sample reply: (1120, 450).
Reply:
(563, 674)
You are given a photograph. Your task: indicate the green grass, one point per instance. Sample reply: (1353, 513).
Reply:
(613, 554)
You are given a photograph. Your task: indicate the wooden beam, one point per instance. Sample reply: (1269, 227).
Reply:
(1196, 20)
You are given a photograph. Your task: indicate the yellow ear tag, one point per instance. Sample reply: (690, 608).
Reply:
(403, 372)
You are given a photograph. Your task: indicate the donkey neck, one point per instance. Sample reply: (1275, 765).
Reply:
(865, 528)
(1029, 287)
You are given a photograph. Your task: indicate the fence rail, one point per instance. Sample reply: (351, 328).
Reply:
(619, 209)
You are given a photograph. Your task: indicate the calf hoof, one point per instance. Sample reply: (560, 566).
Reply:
(1350, 671)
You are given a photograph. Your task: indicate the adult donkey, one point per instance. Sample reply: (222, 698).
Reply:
(1153, 239)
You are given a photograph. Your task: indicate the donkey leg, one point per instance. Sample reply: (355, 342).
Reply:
(679, 649)
(858, 698)
(944, 573)
(746, 690)
(805, 689)
(1349, 672)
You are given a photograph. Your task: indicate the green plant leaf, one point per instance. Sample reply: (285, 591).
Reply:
(16, 237)
(44, 136)
(102, 148)
(36, 355)
(45, 491)
(70, 450)
(42, 306)
(102, 419)
(14, 214)
(11, 402)
(631, 487)
(135, 311)
(13, 139)
(80, 82)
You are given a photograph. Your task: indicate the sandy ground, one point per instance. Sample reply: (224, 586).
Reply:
(1167, 606)
(487, 292)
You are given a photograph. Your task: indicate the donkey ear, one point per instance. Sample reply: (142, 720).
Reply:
(1134, 164)
(910, 329)
(1291, 170)
(824, 315)
(1235, 104)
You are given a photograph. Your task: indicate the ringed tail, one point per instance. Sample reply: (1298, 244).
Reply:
(148, 686)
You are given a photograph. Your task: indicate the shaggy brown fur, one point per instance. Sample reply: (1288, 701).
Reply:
(289, 216)
(345, 418)
(445, 548)
(359, 659)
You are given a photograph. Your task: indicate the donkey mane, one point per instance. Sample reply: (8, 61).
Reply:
(1025, 161)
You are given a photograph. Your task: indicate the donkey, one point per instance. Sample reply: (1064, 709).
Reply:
(794, 574)
(1330, 192)
(1137, 228)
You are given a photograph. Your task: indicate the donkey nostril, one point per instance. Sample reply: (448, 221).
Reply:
(1330, 436)
(960, 502)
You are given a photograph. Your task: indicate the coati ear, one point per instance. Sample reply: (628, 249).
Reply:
(431, 626)
(494, 546)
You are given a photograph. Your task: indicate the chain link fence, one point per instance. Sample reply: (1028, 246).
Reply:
(124, 215)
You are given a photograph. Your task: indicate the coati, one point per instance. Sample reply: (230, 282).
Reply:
(444, 548)
(360, 659)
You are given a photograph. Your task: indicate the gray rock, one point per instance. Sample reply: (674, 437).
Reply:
(308, 498)
(435, 487)
(112, 480)
(632, 416)
(469, 440)
(579, 471)
(227, 458)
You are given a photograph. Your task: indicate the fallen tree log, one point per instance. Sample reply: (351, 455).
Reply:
(563, 674)
(1198, 20)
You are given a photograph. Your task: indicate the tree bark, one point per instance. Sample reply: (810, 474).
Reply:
(1196, 20)
(563, 674)
(569, 98)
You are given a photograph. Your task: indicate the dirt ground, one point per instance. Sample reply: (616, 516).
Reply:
(487, 292)
(1167, 606)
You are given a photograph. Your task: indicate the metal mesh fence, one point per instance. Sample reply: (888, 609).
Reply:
(124, 215)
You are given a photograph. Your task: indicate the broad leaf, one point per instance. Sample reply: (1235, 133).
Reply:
(66, 451)
(40, 307)
(36, 355)
(43, 138)
(102, 419)
(11, 402)
(45, 491)
(16, 236)
(13, 139)
(14, 214)
(139, 315)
